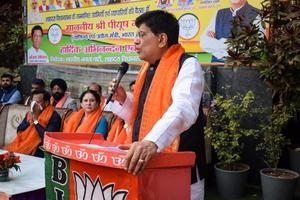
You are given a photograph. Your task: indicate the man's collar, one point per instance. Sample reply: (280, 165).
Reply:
(236, 10)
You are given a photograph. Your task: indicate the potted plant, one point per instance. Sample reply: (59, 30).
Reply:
(8, 160)
(276, 54)
(280, 68)
(225, 131)
(276, 183)
(277, 57)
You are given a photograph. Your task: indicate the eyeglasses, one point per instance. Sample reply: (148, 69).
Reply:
(142, 34)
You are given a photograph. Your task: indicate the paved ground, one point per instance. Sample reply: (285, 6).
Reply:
(250, 194)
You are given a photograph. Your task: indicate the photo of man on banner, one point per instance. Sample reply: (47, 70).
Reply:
(213, 39)
(35, 54)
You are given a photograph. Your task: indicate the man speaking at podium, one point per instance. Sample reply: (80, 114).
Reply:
(165, 113)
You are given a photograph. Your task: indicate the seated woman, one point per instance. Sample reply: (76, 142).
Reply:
(89, 118)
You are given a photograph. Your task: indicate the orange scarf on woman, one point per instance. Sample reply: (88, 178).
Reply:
(159, 97)
(72, 125)
(117, 133)
(28, 140)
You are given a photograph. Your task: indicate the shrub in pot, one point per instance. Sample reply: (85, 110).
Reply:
(277, 184)
(225, 132)
(277, 57)
(280, 68)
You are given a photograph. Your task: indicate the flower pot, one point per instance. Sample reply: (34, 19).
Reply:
(4, 175)
(279, 187)
(231, 184)
(294, 155)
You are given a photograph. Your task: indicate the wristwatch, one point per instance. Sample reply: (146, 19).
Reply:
(35, 122)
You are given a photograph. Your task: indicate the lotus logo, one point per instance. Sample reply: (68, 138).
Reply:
(86, 189)
(189, 26)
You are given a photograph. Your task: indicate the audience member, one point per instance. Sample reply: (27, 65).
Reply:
(60, 98)
(36, 84)
(89, 118)
(97, 88)
(9, 94)
(30, 133)
(44, 6)
(117, 132)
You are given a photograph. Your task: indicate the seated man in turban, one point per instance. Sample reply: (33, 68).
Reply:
(60, 98)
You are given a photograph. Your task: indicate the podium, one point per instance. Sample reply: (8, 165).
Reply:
(77, 170)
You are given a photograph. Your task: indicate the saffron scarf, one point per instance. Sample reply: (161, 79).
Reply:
(117, 133)
(61, 102)
(27, 141)
(159, 97)
(72, 125)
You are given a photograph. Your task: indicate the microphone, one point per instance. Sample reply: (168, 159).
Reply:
(121, 71)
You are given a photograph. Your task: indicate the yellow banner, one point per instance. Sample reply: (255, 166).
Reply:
(93, 32)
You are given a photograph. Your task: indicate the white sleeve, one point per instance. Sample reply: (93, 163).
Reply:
(216, 47)
(183, 112)
(125, 110)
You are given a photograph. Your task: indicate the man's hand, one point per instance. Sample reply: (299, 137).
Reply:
(138, 156)
(36, 111)
(120, 93)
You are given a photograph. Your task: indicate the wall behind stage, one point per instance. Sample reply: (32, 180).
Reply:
(103, 34)
(78, 78)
